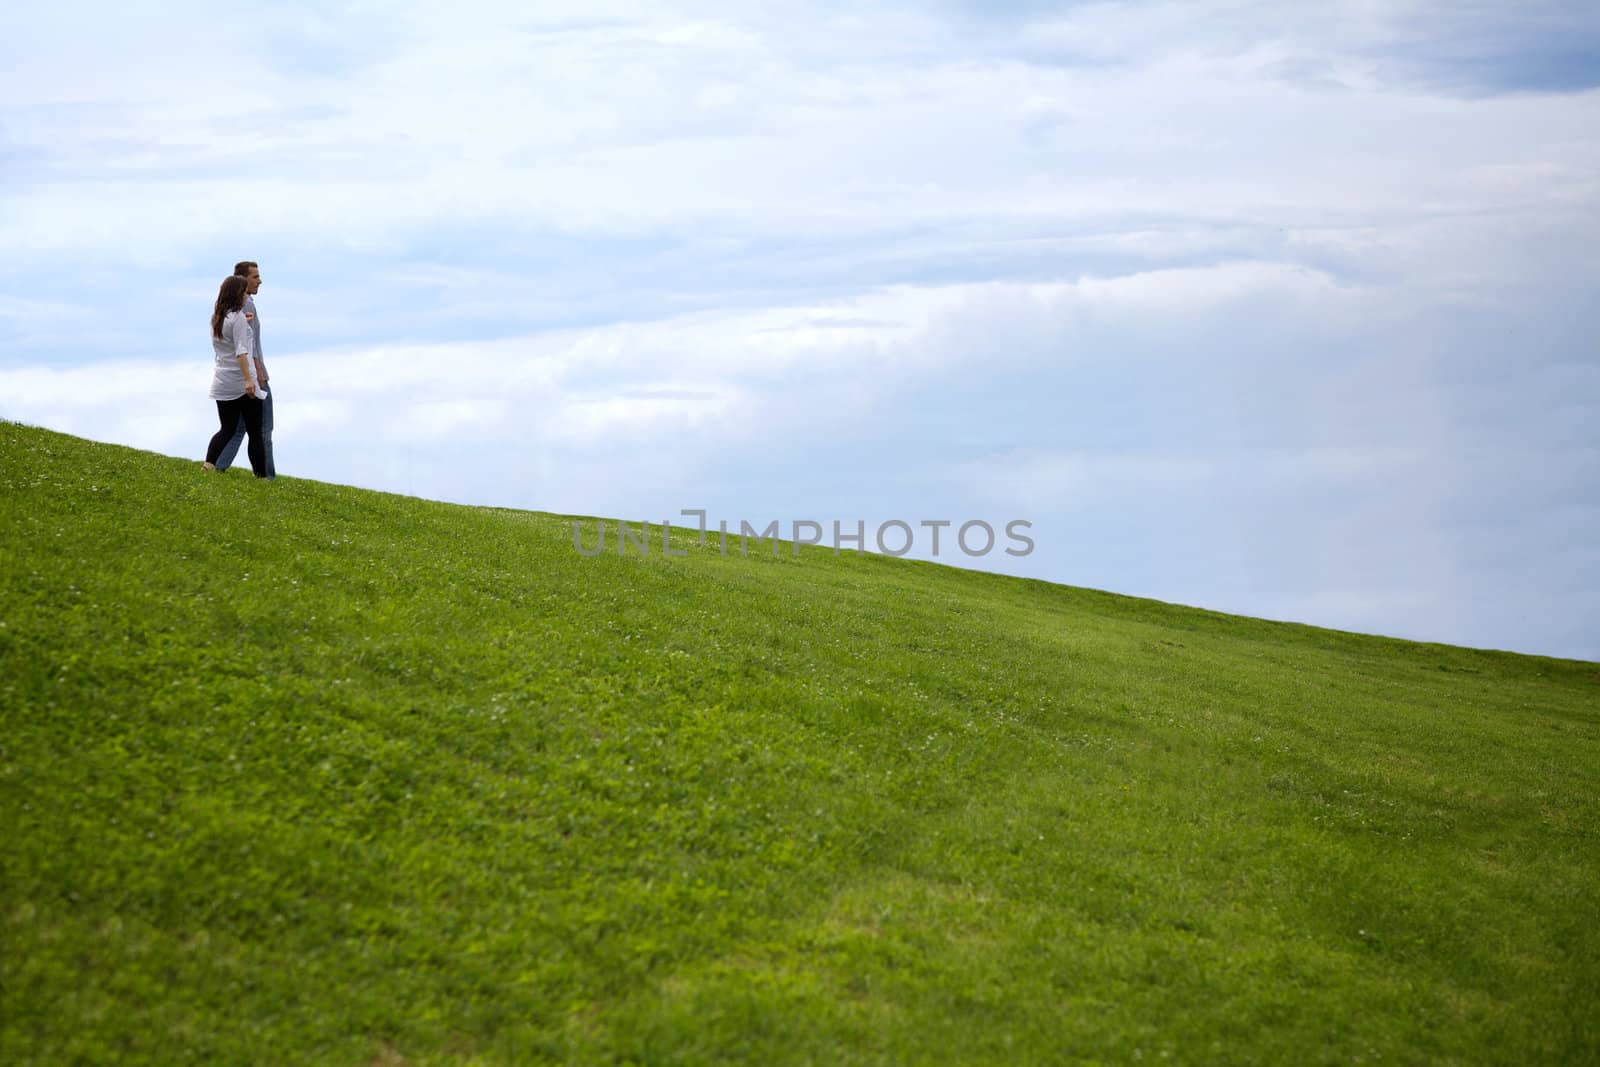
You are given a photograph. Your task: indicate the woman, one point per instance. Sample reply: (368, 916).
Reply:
(233, 381)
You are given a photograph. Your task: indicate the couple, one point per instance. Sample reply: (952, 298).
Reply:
(239, 380)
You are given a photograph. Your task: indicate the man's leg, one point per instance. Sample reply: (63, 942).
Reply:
(225, 458)
(266, 433)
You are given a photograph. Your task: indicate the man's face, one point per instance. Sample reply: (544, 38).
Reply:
(252, 281)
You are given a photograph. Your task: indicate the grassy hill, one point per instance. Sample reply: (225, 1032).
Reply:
(296, 773)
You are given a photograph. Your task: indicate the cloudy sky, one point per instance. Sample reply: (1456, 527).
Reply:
(1284, 310)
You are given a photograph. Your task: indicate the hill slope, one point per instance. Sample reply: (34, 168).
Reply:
(297, 773)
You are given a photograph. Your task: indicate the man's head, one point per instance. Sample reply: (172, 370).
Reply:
(251, 273)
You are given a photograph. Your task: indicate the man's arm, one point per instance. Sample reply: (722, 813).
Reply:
(255, 340)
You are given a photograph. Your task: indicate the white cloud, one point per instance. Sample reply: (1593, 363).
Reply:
(1066, 479)
(730, 375)
(674, 124)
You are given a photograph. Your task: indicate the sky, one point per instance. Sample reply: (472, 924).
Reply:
(1276, 309)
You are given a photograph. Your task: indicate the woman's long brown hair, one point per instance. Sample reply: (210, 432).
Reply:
(229, 298)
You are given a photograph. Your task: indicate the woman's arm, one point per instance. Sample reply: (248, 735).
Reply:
(246, 363)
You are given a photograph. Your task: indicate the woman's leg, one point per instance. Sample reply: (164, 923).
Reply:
(251, 410)
(228, 416)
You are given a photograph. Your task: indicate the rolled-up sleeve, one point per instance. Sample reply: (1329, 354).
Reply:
(241, 337)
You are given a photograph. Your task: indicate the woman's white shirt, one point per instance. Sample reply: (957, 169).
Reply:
(227, 383)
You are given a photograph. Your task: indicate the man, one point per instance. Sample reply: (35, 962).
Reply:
(251, 273)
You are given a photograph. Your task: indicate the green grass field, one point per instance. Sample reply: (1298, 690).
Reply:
(300, 774)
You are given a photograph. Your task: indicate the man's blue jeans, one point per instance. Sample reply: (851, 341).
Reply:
(231, 449)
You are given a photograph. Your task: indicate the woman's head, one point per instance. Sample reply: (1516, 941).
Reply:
(229, 298)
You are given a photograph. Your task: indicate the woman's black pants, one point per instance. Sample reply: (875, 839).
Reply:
(229, 412)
